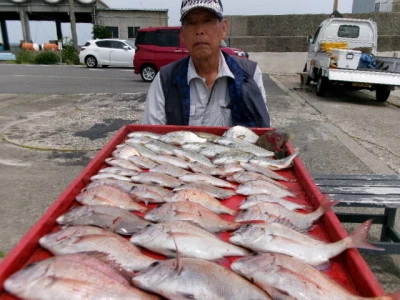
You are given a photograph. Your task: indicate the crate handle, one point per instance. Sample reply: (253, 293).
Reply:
(350, 55)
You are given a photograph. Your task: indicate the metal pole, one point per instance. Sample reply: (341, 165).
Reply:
(73, 23)
(335, 5)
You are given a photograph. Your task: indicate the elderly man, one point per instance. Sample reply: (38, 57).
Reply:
(209, 87)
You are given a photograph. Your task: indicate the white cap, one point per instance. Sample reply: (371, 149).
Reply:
(215, 6)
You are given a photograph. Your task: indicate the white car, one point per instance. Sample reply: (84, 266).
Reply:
(107, 52)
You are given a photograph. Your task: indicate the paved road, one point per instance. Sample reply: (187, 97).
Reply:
(51, 132)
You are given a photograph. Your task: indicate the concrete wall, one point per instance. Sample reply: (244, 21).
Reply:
(288, 33)
(131, 18)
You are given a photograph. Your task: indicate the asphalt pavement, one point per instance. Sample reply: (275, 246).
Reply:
(48, 139)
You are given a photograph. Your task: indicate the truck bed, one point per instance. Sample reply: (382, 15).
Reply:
(372, 76)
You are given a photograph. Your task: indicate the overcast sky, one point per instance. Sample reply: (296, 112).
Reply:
(43, 31)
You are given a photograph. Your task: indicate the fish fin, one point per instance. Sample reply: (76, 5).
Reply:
(360, 235)
(323, 267)
(178, 266)
(327, 204)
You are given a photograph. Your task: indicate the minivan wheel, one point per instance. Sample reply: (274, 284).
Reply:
(91, 61)
(148, 73)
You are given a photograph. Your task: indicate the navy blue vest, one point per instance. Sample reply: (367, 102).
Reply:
(247, 105)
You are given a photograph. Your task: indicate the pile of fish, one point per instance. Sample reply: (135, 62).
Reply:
(187, 215)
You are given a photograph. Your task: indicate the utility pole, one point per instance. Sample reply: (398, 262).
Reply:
(335, 5)
(73, 23)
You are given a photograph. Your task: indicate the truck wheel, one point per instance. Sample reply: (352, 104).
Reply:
(382, 93)
(322, 86)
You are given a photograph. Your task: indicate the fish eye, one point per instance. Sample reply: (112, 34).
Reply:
(154, 264)
(148, 225)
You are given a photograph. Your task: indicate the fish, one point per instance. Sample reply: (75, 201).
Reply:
(214, 191)
(114, 219)
(190, 211)
(157, 178)
(282, 275)
(106, 175)
(257, 199)
(125, 186)
(274, 164)
(124, 152)
(262, 187)
(171, 170)
(161, 147)
(232, 156)
(142, 150)
(149, 193)
(207, 149)
(242, 133)
(189, 239)
(75, 276)
(273, 212)
(203, 169)
(139, 134)
(123, 163)
(262, 170)
(257, 187)
(170, 159)
(118, 171)
(211, 137)
(108, 195)
(194, 278)
(245, 176)
(143, 162)
(193, 156)
(118, 251)
(202, 198)
(275, 237)
(181, 137)
(208, 179)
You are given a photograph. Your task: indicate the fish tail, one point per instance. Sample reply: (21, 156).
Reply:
(360, 235)
(327, 204)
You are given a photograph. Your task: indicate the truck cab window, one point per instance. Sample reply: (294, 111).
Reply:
(349, 31)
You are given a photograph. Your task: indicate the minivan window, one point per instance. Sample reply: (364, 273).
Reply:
(146, 38)
(168, 38)
(348, 31)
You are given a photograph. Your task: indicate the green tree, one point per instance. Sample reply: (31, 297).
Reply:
(101, 32)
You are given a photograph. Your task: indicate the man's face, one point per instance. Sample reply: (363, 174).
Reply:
(202, 32)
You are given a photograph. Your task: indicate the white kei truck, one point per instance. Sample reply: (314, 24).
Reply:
(334, 55)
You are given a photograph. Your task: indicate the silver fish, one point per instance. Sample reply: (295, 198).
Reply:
(189, 239)
(257, 187)
(282, 275)
(257, 199)
(124, 152)
(125, 186)
(262, 170)
(202, 198)
(111, 218)
(149, 193)
(241, 132)
(122, 163)
(211, 137)
(118, 171)
(275, 237)
(272, 212)
(232, 156)
(274, 164)
(172, 160)
(106, 175)
(156, 178)
(181, 137)
(153, 135)
(194, 278)
(108, 195)
(193, 156)
(76, 239)
(76, 276)
(208, 179)
(203, 169)
(142, 150)
(143, 162)
(161, 147)
(170, 170)
(245, 176)
(191, 211)
(214, 191)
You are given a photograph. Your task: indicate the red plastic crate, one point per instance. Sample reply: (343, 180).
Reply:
(348, 268)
